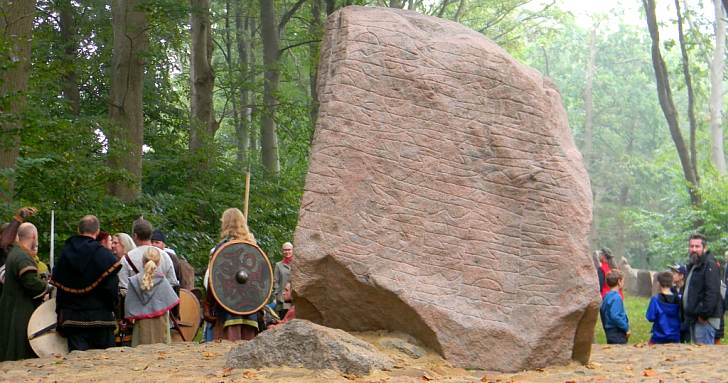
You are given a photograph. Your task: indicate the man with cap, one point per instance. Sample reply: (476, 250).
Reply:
(678, 279)
(678, 286)
(182, 269)
(159, 241)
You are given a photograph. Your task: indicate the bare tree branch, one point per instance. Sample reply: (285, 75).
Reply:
(287, 16)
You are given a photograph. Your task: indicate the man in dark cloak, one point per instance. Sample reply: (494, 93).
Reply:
(23, 292)
(87, 282)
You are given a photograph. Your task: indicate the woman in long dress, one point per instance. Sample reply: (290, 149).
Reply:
(148, 300)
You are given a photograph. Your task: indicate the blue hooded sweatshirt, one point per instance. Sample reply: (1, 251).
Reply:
(665, 318)
(613, 314)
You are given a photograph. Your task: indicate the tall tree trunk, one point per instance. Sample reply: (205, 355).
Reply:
(202, 124)
(16, 27)
(126, 134)
(313, 54)
(69, 85)
(620, 248)
(243, 127)
(232, 66)
(588, 100)
(269, 34)
(717, 67)
(252, 78)
(459, 12)
(664, 94)
(691, 95)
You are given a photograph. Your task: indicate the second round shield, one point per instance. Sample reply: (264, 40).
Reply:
(241, 277)
(190, 316)
(44, 339)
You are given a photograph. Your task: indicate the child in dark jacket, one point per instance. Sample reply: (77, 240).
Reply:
(664, 312)
(614, 318)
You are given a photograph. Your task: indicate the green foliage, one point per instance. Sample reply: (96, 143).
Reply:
(641, 207)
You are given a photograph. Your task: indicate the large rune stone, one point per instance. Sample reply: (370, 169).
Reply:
(445, 197)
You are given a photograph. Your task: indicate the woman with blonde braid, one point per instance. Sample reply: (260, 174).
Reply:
(221, 323)
(148, 300)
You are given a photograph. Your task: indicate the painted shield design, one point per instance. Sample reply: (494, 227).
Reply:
(241, 277)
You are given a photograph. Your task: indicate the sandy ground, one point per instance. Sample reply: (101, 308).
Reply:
(188, 362)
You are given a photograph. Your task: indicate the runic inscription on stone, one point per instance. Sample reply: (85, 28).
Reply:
(445, 197)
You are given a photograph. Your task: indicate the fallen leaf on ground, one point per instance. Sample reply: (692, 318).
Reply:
(248, 374)
(592, 365)
(649, 372)
(226, 371)
(426, 378)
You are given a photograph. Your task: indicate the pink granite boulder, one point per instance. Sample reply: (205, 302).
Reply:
(445, 197)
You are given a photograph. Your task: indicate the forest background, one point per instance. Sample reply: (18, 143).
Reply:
(122, 108)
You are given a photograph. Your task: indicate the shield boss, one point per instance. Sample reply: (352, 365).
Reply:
(235, 294)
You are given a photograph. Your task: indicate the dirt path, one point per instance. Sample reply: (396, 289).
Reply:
(186, 362)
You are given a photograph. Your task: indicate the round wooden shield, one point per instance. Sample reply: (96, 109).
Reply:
(241, 277)
(42, 335)
(190, 316)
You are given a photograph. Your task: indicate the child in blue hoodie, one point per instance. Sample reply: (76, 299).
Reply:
(614, 318)
(664, 312)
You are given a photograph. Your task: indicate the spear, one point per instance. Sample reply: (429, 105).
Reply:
(53, 235)
(247, 194)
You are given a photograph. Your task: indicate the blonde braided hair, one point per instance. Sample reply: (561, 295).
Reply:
(151, 262)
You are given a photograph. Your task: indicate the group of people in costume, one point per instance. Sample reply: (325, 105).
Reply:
(117, 289)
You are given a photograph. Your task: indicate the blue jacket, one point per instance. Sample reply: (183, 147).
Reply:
(613, 314)
(665, 318)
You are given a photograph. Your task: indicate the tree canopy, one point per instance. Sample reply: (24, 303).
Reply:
(122, 108)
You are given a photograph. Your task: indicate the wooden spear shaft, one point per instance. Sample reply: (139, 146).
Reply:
(247, 195)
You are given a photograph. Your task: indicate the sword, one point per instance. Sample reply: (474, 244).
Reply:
(43, 331)
(177, 327)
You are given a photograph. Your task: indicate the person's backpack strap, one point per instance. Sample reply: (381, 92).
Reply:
(131, 264)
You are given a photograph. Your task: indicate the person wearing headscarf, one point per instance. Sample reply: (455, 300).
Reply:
(121, 245)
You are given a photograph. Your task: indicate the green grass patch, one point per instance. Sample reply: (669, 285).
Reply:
(636, 308)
